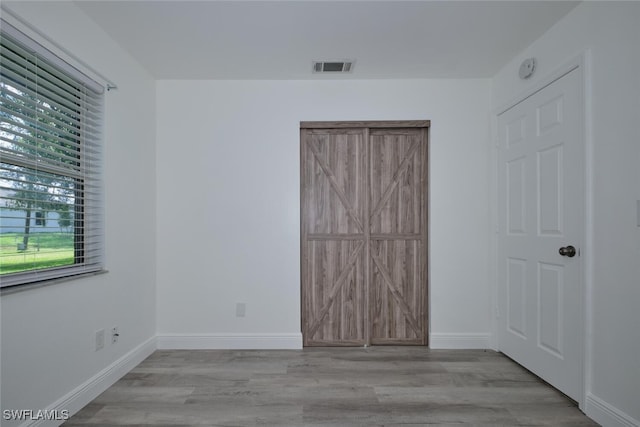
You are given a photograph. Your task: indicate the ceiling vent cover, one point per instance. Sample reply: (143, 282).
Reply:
(345, 66)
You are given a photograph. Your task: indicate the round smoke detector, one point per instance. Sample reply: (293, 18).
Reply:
(527, 68)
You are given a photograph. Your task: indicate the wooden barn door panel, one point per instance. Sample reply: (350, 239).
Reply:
(396, 292)
(398, 236)
(363, 239)
(335, 166)
(396, 181)
(335, 293)
(333, 236)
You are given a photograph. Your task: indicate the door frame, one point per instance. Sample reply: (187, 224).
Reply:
(373, 124)
(580, 62)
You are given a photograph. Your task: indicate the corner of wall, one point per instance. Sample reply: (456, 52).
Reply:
(606, 414)
(82, 395)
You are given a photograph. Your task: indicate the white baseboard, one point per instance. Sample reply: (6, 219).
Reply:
(474, 340)
(90, 389)
(230, 341)
(606, 414)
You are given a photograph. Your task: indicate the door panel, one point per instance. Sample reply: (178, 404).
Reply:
(542, 200)
(333, 194)
(550, 188)
(517, 296)
(396, 292)
(334, 181)
(516, 197)
(550, 306)
(398, 221)
(335, 292)
(396, 181)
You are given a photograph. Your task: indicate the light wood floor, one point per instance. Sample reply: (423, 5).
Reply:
(378, 386)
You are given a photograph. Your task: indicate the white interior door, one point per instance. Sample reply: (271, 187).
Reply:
(541, 210)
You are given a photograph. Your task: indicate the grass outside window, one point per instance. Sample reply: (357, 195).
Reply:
(45, 250)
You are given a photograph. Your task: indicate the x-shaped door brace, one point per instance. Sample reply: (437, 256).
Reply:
(406, 310)
(340, 281)
(343, 198)
(334, 184)
(395, 180)
(336, 288)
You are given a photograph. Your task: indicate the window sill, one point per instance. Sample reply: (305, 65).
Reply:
(41, 284)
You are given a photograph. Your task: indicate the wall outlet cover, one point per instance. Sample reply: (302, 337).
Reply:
(99, 340)
(241, 309)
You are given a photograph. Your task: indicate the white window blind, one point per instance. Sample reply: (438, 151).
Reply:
(51, 209)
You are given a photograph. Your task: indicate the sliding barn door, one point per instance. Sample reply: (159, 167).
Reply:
(398, 236)
(333, 242)
(364, 233)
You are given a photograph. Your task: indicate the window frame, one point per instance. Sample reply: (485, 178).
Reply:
(88, 191)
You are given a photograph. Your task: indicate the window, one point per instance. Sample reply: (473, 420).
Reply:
(40, 219)
(50, 165)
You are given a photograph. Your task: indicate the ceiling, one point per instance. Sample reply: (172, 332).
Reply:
(280, 39)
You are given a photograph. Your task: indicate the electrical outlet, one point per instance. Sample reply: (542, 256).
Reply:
(99, 340)
(241, 309)
(114, 335)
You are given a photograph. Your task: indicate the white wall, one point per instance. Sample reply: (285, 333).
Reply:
(228, 199)
(611, 31)
(47, 333)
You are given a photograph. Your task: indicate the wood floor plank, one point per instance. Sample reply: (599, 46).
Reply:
(379, 386)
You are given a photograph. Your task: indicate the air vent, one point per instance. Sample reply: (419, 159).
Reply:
(333, 66)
